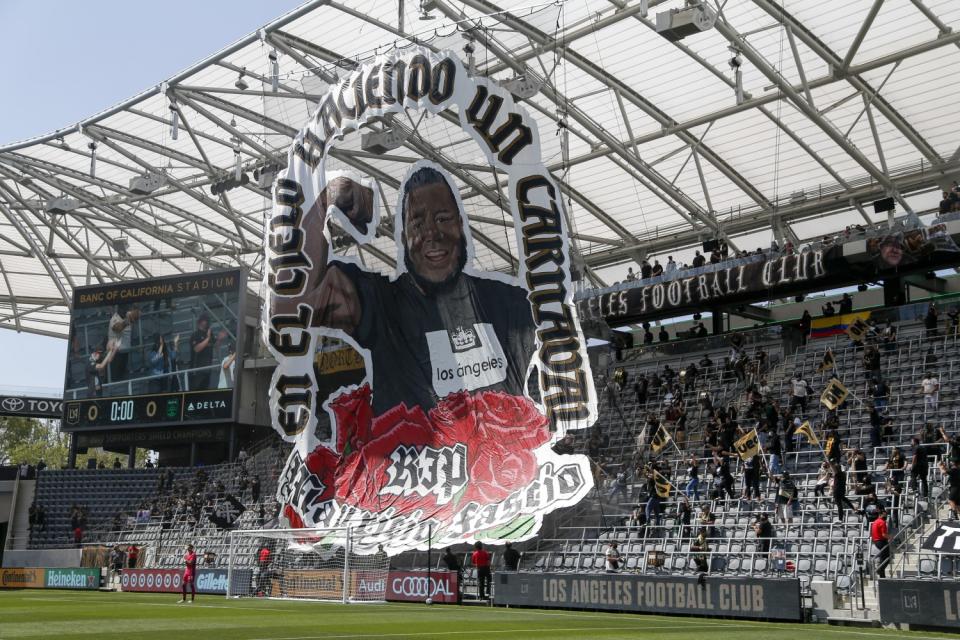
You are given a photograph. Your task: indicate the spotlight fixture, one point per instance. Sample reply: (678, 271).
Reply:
(174, 120)
(380, 142)
(93, 159)
(241, 83)
(677, 24)
(861, 288)
(274, 71)
(61, 205)
(523, 86)
(120, 244)
(425, 7)
(146, 183)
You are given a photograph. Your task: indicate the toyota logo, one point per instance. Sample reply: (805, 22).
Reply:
(13, 404)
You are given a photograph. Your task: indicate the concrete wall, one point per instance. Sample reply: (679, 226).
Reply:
(6, 498)
(42, 558)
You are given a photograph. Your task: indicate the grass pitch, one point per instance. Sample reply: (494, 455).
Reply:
(65, 615)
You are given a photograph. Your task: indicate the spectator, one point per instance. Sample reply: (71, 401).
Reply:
(722, 479)
(930, 387)
(828, 310)
(919, 468)
(41, 465)
(931, 319)
(701, 331)
(133, 555)
(671, 265)
(895, 470)
(846, 304)
(871, 361)
(78, 536)
(657, 269)
(693, 479)
(889, 336)
(715, 257)
(880, 536)
(255, 489)
(645, 269)
(481, 560)
(698, 260)
(786, 497)
(798, 392)
(116, 560)
(619, 486)
(953, 329)
(880, 391)
(652, 510)
(840, 493)
(640, 389)
(823, 479)
(751, 478)
(663, 335)
(946, 204)
(775, 448)
(764, 532)
(706, 521)
(612, 557)
(647, 336)
(702, 550)
(631, 276)
(951, 474)
(511, 558)
(876, 427)
(804, 325)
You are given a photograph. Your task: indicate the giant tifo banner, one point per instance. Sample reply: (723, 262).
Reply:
(729, 597)
(442, 436)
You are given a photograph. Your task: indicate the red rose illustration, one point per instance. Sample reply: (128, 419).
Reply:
(513, 421)
(323, 463)
(496, 472)
(354, 416)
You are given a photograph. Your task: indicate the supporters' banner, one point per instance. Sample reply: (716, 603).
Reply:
(744, 280)
(227, 511)
(945, 539)
(748, 445)
(663, 484)
(827, 363)
(806, 431)
(22, 578)
(834, 395)
(857, 329)
(660, 439)
(417, 586)
(835, 325)
(441, 434)
(721, 596)
(909, 246)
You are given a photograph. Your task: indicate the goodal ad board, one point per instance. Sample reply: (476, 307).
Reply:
(766, 598)
(417, 586)
(441, 437)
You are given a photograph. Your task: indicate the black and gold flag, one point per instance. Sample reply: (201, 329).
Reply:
(748, 445)
(834, 395)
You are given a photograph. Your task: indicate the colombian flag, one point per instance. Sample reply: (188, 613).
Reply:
(835, 325)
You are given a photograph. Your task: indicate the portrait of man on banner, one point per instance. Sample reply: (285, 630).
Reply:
(469, 375)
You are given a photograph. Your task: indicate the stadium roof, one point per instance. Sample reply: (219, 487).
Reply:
(843, 103)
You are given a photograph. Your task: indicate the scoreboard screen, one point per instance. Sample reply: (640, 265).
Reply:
(155, 352)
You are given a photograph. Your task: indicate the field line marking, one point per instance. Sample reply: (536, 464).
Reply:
(414, 634)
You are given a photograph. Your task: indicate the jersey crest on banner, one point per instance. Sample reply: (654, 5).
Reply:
(469, 376)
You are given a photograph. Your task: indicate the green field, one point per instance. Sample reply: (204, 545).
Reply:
(75, 614)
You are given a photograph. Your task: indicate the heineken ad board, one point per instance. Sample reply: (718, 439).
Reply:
(728, 597)
(924, 603)
(30, 407)
(66, 578)
(426, 371)
(156, 352)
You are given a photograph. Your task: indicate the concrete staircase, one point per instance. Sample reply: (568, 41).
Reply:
(18, 534)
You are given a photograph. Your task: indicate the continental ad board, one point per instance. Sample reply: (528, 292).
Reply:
(469, 375)
(763, 598)
(51, 578)
(920, 602)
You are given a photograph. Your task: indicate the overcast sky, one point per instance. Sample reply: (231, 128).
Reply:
(65, 60)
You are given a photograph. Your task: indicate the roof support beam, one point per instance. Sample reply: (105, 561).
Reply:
(861, 34)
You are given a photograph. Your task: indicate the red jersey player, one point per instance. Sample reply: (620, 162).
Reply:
(481, 560)
(189, 574)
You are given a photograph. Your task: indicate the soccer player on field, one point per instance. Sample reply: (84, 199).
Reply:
(189, 574)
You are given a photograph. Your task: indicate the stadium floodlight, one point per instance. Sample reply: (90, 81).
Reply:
(120, 244)
(93, 159)
(241, 83)
(735, 62)
(146, 183)
(425, 7)
(677, 24)
(62, 205)
(274, 71)
(524, 87)
(379, 142)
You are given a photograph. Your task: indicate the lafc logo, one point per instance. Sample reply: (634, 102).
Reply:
(73, 414)
(464, 339)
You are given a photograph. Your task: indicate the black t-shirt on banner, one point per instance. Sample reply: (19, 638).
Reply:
(476, 335)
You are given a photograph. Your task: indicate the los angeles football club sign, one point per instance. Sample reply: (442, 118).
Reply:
(469, 376)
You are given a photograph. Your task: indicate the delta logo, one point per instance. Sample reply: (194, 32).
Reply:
(206, 405)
